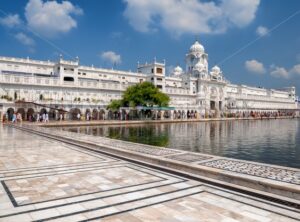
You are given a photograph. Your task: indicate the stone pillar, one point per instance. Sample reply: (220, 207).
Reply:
(162, 113)
(25, 116)
(123, 115)
(105, 116)
(172, 114)
(65, 116)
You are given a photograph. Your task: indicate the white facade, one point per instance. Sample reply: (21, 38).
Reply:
(67, 84)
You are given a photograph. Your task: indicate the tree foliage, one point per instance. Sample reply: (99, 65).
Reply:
(141, 94)
(115, 105)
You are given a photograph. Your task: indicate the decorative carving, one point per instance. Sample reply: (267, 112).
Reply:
(258, 170)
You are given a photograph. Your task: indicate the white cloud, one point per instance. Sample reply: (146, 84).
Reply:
(280, 72)
(255, 67)
(111, 57)
(10, 21)
(295, 69)
(262, 31)
(24, 39)
(51, 18)
(189, 16)
(240, 13)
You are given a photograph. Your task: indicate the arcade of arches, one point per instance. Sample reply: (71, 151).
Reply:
(31, 114)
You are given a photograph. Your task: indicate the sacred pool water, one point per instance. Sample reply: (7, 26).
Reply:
(266, 141)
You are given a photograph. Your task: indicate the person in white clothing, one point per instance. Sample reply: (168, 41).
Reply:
(47, 117)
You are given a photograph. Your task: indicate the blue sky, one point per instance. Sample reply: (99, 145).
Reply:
(255, 42)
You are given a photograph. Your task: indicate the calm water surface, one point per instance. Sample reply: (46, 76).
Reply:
(266, 141)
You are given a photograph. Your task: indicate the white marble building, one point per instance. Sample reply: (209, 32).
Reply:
(67, 85)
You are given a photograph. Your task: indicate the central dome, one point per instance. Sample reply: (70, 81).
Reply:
(197, 47)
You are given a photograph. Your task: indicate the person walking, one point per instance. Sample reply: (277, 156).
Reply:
(44, 117)
(47, 118)
(19, 117)
(4, 118)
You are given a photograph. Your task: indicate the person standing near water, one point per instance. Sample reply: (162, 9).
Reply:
(14, 118)
(46, 117)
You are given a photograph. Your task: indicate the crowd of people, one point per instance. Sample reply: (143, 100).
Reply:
(44, 117)
(260, 115)
(17, 117)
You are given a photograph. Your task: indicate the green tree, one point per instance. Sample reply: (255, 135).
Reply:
(144, 94)
(115, 105)
(141, 94)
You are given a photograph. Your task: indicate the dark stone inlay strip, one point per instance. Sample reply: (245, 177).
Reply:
(91, 166)
(253, 205)
(9, 194)
(67, 171)
(268, 201)
(141, 207)
(62, 198)
(124, 202)
(97, 198)
(23, 169)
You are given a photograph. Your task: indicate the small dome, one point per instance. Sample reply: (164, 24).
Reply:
(216, 70)
(177, 71)
(199, 66)
(197, 47)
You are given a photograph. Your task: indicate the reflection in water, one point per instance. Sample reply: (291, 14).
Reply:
(267, 141)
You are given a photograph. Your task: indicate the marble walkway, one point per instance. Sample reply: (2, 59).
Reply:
(47, 180)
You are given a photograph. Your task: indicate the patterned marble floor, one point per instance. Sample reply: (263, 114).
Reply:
(46, 180)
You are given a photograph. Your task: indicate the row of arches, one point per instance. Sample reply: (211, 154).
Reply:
(87, 114)
(31, 114)
(10, 112)
(183, 114)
